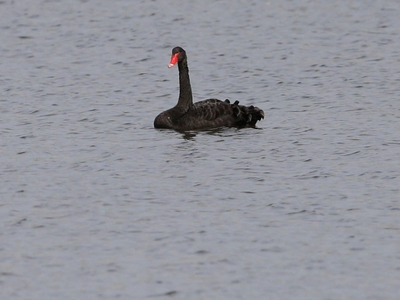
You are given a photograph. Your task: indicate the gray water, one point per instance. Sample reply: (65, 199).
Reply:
(97, 204)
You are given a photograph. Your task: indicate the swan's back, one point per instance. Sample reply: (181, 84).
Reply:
(210, 113)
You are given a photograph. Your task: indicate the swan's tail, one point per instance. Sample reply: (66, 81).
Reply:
(247, 115)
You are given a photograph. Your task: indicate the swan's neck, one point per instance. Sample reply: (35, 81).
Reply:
(185, 90)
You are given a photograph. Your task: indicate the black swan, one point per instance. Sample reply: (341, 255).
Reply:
(207, 114)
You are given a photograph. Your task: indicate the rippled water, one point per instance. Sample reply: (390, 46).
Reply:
(97, 204)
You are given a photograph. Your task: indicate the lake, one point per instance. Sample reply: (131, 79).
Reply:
(97, 204)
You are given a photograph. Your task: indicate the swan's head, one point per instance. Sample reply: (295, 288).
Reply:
(178, 54)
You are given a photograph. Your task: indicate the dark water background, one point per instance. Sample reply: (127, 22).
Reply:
(97, 204)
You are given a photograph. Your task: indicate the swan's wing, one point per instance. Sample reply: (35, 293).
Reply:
(215, 113)
(213, 109)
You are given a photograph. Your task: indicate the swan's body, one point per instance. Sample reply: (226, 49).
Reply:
(206, 114)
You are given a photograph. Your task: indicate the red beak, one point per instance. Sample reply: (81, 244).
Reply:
(174, 60)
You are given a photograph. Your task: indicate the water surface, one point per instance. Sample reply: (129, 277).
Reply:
(97, 204)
